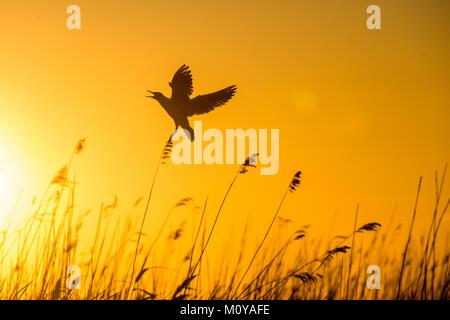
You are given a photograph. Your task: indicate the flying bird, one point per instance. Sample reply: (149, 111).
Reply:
(180, 106)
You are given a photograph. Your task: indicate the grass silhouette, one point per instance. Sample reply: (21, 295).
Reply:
(119, 260)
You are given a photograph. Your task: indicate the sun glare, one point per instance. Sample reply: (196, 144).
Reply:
(9, 184)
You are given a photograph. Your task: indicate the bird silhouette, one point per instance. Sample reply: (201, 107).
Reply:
(180, 106)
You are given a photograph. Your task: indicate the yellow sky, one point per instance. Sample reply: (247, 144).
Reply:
(362, 113)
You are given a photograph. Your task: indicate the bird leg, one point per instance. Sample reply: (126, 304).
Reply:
(174, 131)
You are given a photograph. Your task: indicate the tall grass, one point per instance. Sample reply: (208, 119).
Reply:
(118, 260)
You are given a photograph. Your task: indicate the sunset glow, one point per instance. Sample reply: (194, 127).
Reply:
(360, 115)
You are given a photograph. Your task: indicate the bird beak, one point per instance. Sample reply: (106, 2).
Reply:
(152, 96)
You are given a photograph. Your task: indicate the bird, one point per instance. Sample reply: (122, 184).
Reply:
(180, 106)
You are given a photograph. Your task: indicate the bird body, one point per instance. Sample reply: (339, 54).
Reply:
(180, 106)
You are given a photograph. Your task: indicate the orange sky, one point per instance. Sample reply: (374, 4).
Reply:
(362, 113)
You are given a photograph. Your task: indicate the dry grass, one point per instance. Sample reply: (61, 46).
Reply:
(120, 261)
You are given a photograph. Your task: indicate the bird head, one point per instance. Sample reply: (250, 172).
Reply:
(155, 95)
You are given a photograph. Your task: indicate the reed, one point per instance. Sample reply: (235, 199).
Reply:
(119, 260)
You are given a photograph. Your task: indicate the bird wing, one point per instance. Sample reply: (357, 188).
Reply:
(181, 84)
(208, 102)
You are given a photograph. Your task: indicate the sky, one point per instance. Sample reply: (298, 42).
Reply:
(363, 113)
